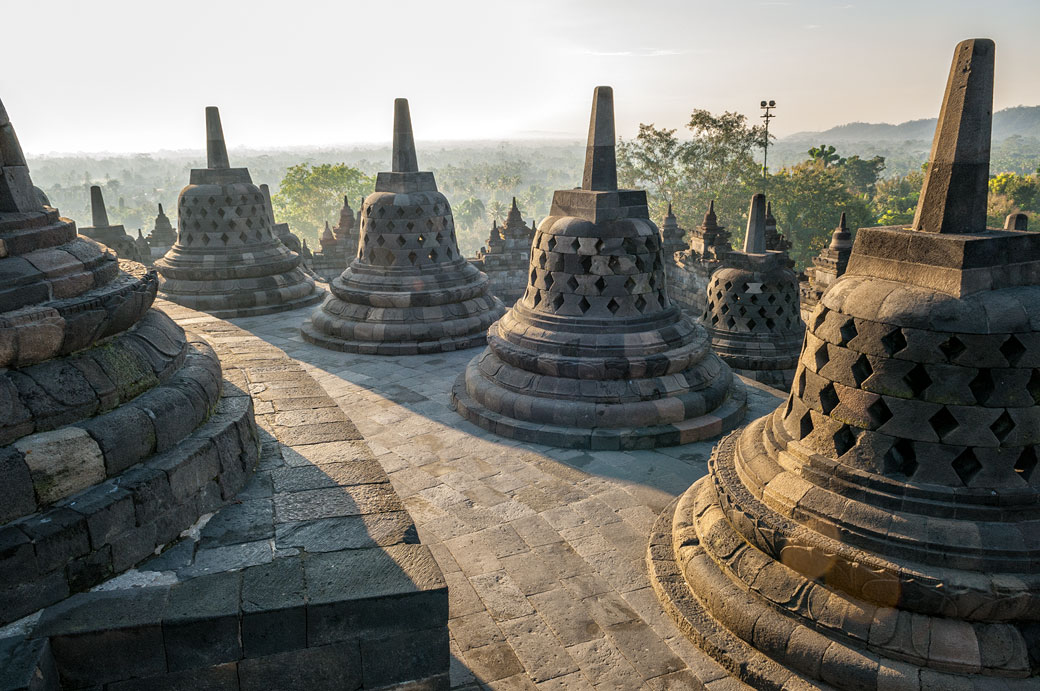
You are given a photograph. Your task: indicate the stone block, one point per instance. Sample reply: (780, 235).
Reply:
(27, 665)
(324, 668)
(201, 625)
(274, 616)
(62, 462)
(404, 656)
(216, 678)
(17, 497)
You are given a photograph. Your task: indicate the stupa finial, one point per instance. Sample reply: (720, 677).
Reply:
(404, 160)
(755, 239)
(98, 212)
(16, 188)
(161, 212)
(216, 149)
(600, 158)
(954, 196)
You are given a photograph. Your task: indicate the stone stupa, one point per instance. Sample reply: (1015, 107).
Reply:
(162, 237)
(751, 309)
(692, 266)
(595, 355)
(828, 266)
(673, 236)
(114, 237)
(506, 257)
(881, 529)
(101, 396)
(227, 260)
(408, 291)
(338, 245)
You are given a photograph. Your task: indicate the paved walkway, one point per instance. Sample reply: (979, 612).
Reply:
(543, 548)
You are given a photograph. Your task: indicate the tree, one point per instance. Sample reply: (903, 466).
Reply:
(895, 199)
(716, 163)
(308, 196)
(808, 199)
(825, 154)
(497, 210)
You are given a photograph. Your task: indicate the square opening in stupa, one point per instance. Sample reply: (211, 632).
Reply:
(560, 410)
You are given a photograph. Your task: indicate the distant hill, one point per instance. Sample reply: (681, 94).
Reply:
(1023, 121)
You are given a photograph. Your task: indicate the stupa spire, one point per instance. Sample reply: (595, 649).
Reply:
(404, 160)
(755, 239)
(216, 149)
(16, 188)
(600, 159)
(98, 212)
(955, 191)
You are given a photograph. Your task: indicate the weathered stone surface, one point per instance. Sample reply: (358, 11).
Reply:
(409, 290)
(751, 310)
(227, 259)
(595, 355)
(862, 535)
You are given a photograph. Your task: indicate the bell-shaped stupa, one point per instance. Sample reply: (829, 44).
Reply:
(881, 529)
(506, 258)
(102, 399)
(227, 259)
(408, 290)
(595, 355)
(751, 308)
(113, 236)
(338, 245)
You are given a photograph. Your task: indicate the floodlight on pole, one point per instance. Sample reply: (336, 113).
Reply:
(766, 106)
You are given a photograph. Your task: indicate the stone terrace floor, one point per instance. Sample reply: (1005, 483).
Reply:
(543, 549)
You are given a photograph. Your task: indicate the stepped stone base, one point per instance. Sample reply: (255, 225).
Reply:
(724, 418)
(447, 344)
(253, 304)
(314, 579)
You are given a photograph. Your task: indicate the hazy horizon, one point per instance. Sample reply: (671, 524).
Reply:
(120, 77)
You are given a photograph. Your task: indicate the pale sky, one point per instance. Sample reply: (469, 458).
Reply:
(135, 75)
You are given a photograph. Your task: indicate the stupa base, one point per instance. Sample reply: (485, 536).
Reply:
(256, 310)
(441, 345)
(723, 419)
(765, 623)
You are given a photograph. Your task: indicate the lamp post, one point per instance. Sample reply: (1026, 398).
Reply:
(766, 106)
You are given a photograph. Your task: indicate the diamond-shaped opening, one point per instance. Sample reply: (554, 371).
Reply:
(224, 237)
(844, 440)
(598, 246)
(1012, 350)
(630, 284)
(879, 412)
(205, 239)
(829, 398)
(400, 211)
(982, 386)
(584, 305)
(433, 254)
(893, 341)
(380, 240)
(754, 298)
(779, 310)
(534, 275)
(943, 422)
(412, 257)
(613, 306)
(1033, 386)
(762, 312)
(731, 322)
(574, 244)
(401, 241)
(901, 459)
(770, 324)
(221, 212)
(917, 379)
(448, 251)
(422, 238)
(243, 237)
(429, 226)
(848, 331)
(551, 243)
(1002, 426)
(729, 284)
(861, 370)
(742, 311)
(586, 263)
(967, 466)
(557, 302)
(572, 283)
(541, 260)
(805, 425)
(537, 298)
(822, 357)
(751, 324)
(613, 264)
(801, 382)
(952, 348)
(600, 284)
(1026, 463)
(640, 303)
(789, 406)
(549, 280)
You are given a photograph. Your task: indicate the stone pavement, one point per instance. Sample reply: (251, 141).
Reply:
(543, 549)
